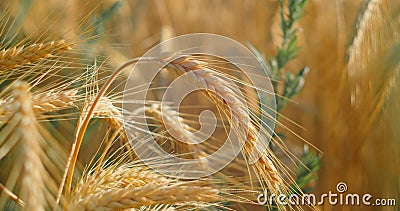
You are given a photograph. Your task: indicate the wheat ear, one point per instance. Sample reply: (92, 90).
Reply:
(17, 56)
(149, 194)
(124, 176)
(54, 101)
(29, 150)
(366, 45)
(45, 102)
(134, 186)
(209, 79)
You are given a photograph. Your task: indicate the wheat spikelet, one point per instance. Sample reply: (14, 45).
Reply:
(168, 119)
(149, 194)
(106, 109)
(113, 116)
(17, 56)
(4, 109)
(207, 78)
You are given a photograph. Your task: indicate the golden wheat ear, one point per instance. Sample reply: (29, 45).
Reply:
(34, 173)
(55, 101)
(132, 185)
(213, 81)
(53, 90)
(372, 84)
(18, 56)
(147, 195)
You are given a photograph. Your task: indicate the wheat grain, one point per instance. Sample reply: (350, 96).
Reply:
(170, 118)
(17, 56)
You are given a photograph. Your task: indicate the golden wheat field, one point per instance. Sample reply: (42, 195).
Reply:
(75, 136)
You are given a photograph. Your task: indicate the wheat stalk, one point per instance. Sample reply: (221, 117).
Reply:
(78, 136)
(17, 56)
(207, 78)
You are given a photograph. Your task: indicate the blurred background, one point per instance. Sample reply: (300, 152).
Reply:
(349, 107)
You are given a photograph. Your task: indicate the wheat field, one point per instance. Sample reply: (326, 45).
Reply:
(333, 64)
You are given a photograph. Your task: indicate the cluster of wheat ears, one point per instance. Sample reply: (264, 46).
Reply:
(36, 95)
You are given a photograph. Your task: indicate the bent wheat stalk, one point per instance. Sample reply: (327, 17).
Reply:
(80, 132)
